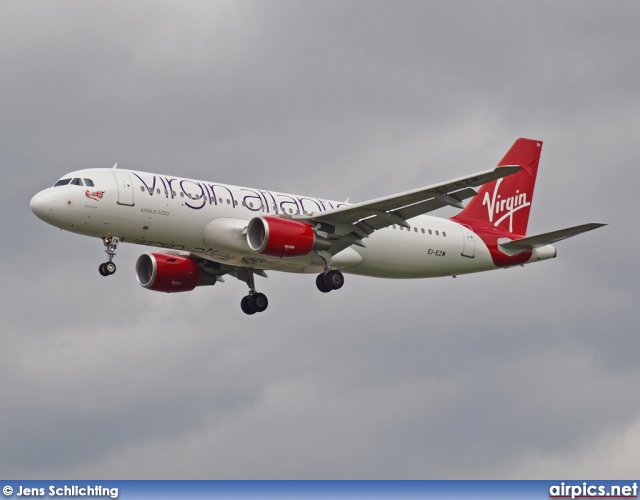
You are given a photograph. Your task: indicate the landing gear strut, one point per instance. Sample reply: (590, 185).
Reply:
(109, 267)
(255, 302)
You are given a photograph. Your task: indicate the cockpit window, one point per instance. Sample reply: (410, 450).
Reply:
(76, 181)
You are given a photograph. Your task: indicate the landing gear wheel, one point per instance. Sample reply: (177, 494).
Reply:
(107, 269)
(254, 303)
(246, 306)
(334, 279)
(258, 302)
(322, 286)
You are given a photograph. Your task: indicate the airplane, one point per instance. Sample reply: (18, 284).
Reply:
(206, 230)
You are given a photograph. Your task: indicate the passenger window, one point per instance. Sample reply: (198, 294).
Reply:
(415, 229)
(142, 188)
(88, 182)
(430, 231)
(422, 230)
(444, 234)
(437, 233)
(62, 182)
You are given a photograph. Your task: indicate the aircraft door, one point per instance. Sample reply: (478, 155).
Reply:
(468, 242)
(125, 188)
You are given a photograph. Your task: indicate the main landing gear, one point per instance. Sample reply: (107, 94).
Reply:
(255, 302)
(330, 280)
(109, 267)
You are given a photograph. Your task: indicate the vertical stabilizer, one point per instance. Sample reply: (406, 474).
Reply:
(504, 204)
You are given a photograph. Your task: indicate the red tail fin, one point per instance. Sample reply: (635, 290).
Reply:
(504, 204)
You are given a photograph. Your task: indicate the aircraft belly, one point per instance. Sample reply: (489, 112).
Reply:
(306, 264)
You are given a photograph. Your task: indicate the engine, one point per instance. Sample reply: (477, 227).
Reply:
(279, 237)
(167, 273)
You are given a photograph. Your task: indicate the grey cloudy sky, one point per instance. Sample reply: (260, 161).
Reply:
(526, 373)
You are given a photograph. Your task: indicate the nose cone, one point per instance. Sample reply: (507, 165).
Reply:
(42, 205)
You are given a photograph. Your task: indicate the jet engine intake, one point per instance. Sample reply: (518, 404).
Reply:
(278, 237)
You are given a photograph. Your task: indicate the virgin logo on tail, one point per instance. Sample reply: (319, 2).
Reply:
(504, 207)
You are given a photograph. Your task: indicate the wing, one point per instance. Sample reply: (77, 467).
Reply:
(347, 226)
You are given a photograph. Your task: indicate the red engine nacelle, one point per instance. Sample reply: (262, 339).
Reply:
(279, 237)
(167, 273)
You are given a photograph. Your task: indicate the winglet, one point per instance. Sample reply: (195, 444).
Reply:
(115, 166)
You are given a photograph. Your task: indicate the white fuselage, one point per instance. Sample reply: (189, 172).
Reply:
(208, 220)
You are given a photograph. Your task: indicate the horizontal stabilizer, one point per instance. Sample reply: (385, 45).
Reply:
(541, 240)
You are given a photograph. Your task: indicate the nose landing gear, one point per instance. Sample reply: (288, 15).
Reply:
(109, 267)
